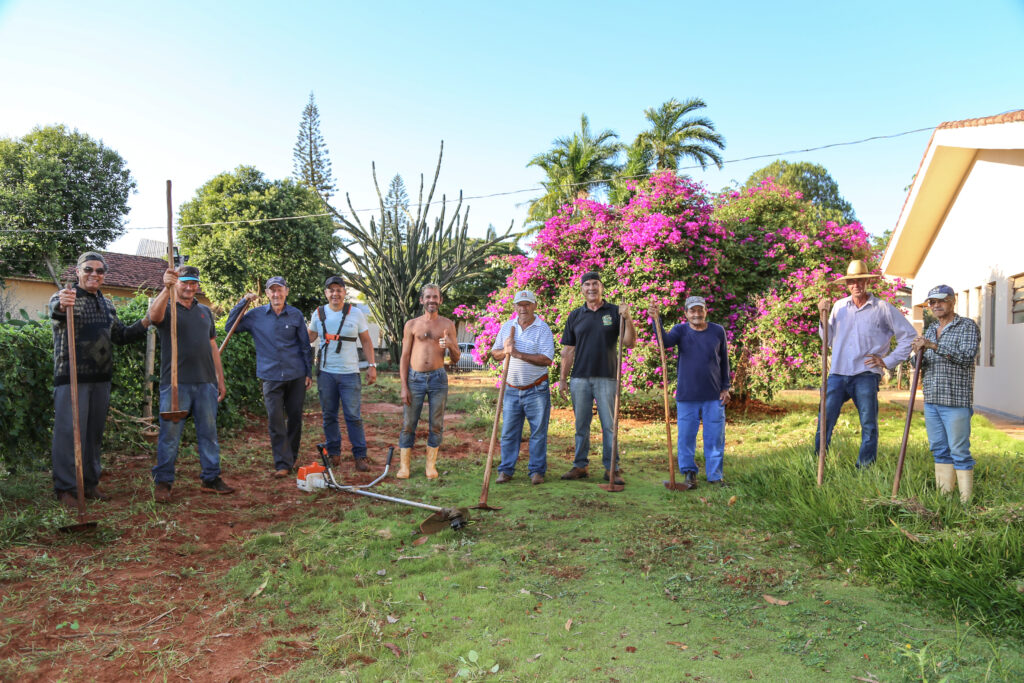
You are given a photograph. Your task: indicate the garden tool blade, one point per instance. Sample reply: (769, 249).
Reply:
(78, 527)
(445, 519)
(173, 416)
(482, 505)
(675, 486)
(612, 487)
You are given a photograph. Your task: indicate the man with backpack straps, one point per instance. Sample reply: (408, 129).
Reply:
(338, 326)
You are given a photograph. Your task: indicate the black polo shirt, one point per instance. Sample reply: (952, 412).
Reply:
(594, 334)
(195, 357)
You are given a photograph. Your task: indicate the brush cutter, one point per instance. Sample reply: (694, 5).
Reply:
(443, 518)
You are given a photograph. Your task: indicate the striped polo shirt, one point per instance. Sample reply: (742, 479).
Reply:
(536, 338)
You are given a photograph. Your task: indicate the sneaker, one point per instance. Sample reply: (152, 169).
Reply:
(536, 478)
(362, 465)
(503, 478)
(576, 473)
(618, 477)
(162, 492)
(217, 486)
(95, 494)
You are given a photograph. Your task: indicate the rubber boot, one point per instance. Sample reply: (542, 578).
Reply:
(432, 462)
(404, 457)
(945, 478)
(965, 480)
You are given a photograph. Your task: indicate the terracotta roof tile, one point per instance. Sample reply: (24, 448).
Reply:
(129, 271)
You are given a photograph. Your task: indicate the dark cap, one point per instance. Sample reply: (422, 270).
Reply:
(189, 273)
(276, 280)
(940, 292)
(92, 256)
(587, 277)
(334, 280)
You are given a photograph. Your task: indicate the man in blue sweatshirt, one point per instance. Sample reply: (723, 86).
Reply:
(702, 390)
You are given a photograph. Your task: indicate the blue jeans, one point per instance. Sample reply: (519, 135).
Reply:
(201, 401)
(347, 390)
(949, 435)
(433, 386)
(862, 388)
(689, 415)
(585, 391)
(533, 404)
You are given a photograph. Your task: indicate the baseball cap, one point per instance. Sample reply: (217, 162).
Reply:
(692, 301)
(524, 295)
(592, 275)
(276, 280)
(189, 274)
(332, 280)
(940, 292)
(92, 256)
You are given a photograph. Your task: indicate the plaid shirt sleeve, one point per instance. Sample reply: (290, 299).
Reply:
(949, 371)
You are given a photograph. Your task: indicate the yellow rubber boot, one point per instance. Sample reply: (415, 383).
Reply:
(945, 478)
(432, 462)
(404, 457)
(965, 480)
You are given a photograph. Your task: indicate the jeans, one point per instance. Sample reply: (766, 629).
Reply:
(433, 386)
(93, 402)
(201, 401)
(347, 390)
(283, 401)
(689, 415)
(585, 391)
(949, 435)
(862, 388)
(533, 404)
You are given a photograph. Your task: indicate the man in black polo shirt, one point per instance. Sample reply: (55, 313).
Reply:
(588, 348)
(200, 382)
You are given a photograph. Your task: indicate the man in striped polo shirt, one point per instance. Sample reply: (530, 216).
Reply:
(529, 342)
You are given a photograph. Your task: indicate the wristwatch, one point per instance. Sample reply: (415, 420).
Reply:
(371, 365)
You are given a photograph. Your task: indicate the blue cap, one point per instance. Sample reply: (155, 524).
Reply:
(276, 280)
(940, 292)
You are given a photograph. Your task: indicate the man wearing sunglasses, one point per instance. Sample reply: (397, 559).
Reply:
(97, 327)
(950, 345)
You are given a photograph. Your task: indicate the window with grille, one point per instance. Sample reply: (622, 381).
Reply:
(1017, 300)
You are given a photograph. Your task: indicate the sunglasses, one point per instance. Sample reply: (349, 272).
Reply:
(89, 270)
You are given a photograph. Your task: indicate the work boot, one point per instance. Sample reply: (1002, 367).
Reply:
(965, 480)
(945, 477)
(536, 478)
(618, 477)
(432, 462)
(404, 456)
(362, 465)
(68, 499)
(216, 485)
(503, 478)
(162, 492)
(94, 493)
(335, 461)
(576, 473)
(690, 480)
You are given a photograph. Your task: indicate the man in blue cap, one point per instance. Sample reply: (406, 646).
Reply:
(284, 361)
(950, 345)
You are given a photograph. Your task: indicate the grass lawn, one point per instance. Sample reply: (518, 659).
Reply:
(769, 579)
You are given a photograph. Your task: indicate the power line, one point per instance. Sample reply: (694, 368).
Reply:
(506, 193)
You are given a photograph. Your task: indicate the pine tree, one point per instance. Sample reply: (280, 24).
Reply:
(312, 163)
(396, 205)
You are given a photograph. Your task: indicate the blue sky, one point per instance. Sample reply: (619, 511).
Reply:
(187, 90)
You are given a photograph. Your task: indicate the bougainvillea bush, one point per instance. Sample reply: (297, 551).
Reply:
(672, 240)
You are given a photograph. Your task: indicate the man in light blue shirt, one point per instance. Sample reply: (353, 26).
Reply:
(860, 331)
(531, 345)
(338, 326)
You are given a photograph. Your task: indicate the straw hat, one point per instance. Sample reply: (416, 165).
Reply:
(857, 271)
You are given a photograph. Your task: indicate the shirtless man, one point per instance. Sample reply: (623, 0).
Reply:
(424, 343)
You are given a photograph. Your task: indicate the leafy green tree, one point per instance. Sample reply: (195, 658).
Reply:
(61, 193)
(249, 242)
(812, 181)
(639, 158)
(492, 277)
(675, 134)
(312, 165)
(574, 167)
(390, 267)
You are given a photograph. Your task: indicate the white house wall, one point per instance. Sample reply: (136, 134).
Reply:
(981, 241)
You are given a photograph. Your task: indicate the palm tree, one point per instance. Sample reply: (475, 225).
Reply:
(574, 166)
(673, 137)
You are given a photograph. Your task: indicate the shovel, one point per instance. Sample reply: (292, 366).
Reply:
(906, 427)
(822, 427)
(671, 484)
(482, 505)
(174, 414)
(611, 485)
(82, 524)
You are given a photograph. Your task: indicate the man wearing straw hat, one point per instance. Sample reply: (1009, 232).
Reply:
(96, 326)
(950, 345)
(527, 394)
(861, 329)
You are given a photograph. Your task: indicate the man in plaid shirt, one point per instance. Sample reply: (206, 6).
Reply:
(950, 345)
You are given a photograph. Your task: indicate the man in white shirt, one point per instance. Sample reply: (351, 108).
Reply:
(531, 345)
(338, 326)
(861, 328)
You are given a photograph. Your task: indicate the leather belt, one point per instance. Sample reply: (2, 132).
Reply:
(542, 378)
